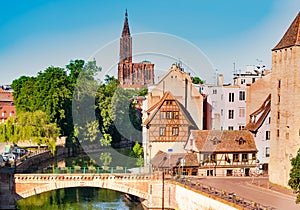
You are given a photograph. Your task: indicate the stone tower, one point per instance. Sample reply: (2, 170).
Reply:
(132, 75)
(285, 105)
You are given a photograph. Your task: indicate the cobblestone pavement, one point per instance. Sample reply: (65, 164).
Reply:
(257, 189)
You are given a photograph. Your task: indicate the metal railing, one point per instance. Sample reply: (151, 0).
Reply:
(227, 196)
(82, 170)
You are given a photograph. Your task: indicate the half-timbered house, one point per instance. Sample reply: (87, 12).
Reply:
(223, 153)
(175, 163)
(173, 107)
(168, 126)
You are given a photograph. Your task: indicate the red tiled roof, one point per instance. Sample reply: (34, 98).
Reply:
(166, 160)
(223, 141)
(155, 108)
(263, 110)
(6, 96)
(291, 36)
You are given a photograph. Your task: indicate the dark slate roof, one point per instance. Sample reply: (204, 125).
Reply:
(262, 112)
(223, 141)
(291, 36)
(168, 160)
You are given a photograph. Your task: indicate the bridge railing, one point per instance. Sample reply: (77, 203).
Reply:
(83, 170)
(228, 196)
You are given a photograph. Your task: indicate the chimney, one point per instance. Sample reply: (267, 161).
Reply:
(220, 81)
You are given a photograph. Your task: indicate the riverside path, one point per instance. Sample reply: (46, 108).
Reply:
(253, 188)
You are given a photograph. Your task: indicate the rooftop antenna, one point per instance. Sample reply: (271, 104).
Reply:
(234, 71)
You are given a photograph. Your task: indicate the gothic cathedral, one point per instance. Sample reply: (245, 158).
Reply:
(132, 75)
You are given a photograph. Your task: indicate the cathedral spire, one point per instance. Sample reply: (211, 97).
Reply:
(126, 31)
(126, 42)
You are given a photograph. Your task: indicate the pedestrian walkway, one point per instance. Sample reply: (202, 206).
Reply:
(257, 189)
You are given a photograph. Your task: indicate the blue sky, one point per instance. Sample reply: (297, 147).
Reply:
(35, 34)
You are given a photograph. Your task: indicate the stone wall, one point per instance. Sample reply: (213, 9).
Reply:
(285, 113)
(177, 196)
(188, 199)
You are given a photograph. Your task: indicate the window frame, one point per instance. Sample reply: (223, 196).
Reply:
(267, 150)
(236, 157)
(230, 114)
(231, 97)
(245, 157)
(268, 135)
(175, 131)
(162, 131)
(242, 95)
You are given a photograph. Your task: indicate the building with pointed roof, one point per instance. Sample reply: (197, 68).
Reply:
(285, 104)
(291, 37)
(173, 108)
(132, 75)
(259, 125)
(223, 153)
(168, 125)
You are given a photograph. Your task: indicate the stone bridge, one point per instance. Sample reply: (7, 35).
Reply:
(148, 188)
(153, 190)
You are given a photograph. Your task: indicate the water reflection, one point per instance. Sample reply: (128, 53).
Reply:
(79, 198)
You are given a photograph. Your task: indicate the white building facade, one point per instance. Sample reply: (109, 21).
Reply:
(227, 105)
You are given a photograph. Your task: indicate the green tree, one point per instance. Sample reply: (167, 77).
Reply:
(105, 94)
(86, 121)
(105, 158)
(49, 92)
(33, 126)
(294, 181)
(24, 93)
(197, 80)
(137, 152)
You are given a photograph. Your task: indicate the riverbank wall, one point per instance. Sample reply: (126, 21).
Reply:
(179, 196)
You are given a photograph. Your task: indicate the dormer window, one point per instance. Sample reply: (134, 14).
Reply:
(241, 141)
(215, 141)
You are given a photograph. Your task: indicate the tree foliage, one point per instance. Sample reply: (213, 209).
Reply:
(294, 181)
(197, 80)
(33, 126)
(49, 92)
(138, 152)
(82, 108)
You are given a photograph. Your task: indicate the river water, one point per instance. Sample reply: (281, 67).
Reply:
(78, 199)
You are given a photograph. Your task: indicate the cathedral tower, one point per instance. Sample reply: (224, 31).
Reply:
(132, 75)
